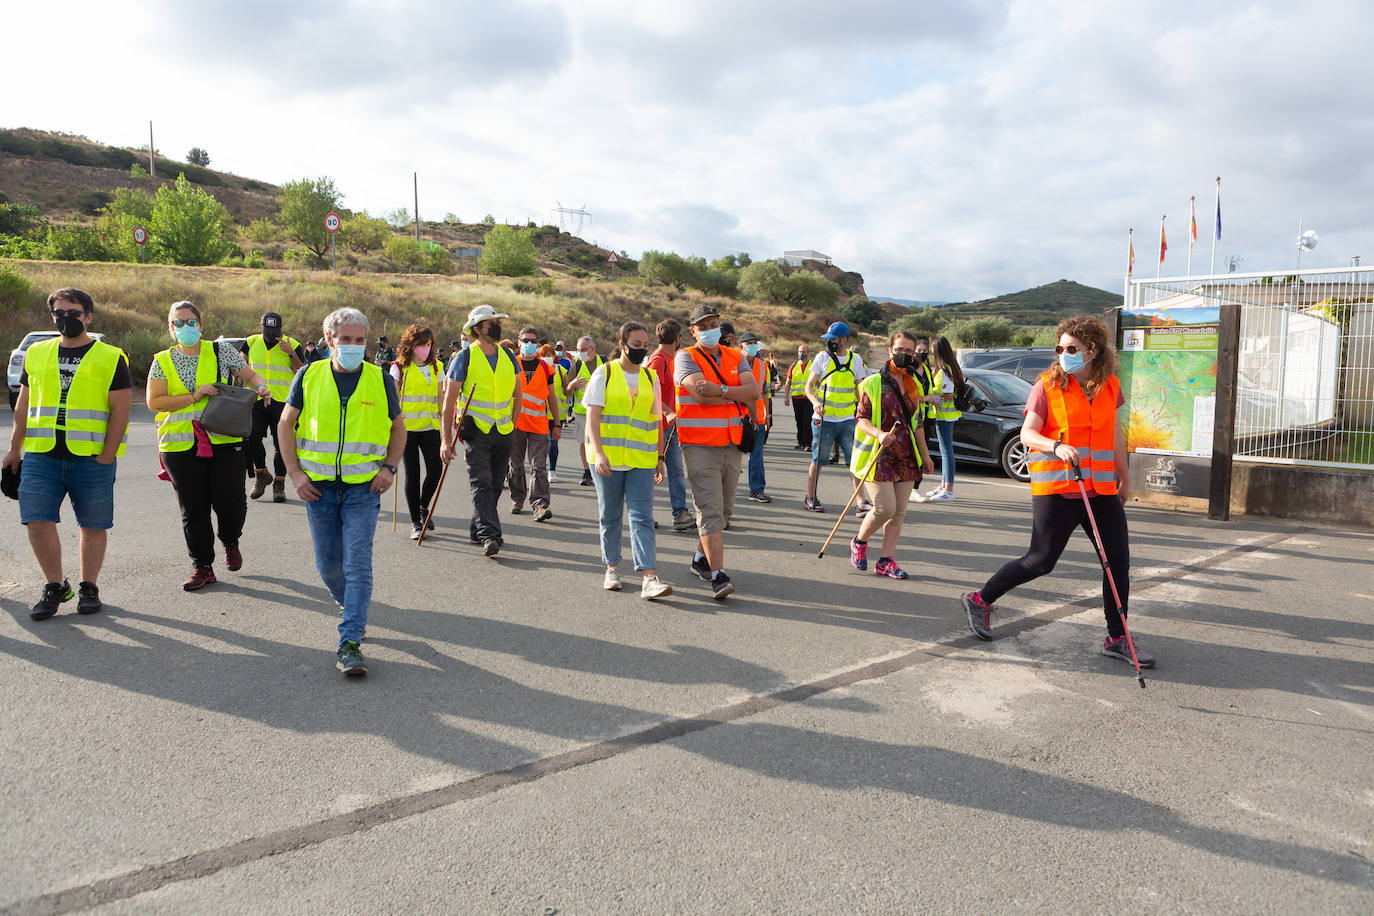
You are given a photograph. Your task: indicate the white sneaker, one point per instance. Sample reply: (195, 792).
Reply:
(917, 496)
(654, 587)
(941, 495)
(612, 581)
(553, 476)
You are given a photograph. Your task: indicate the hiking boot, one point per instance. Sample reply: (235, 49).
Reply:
(1117, 648)
(586, 478)
(543, 515)
(89, 600)
(261, 478)
(54, 593)
(233, 558)
(612, 581)
(683, 521)
(279, 489)
(702, 568)
(888, 567)
(979, 614)
(491, 547)
(516, 509)
(200, 577)
(654, 587)
(416, 529)
(813, 504)
(721, 586)
(760, 497)
(858, 554)
(350, 659)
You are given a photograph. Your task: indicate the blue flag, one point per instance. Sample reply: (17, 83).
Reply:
(1218, 216)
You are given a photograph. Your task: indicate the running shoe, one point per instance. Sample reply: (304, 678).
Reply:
(813, 504)
(89, 600)
(683, 521)
(200, 577)
(553, 476)
(888, 567)
(940, 495)
(233, 558)
(979, 614)
(760, 497)
(858, 554)
(515, 509)
(721, 586)
(1117, 648)
(491, 547)
(702, 568)
(654, 587)
(612, 581)
(917, 497)
(349, 659)
(544, 514)
(416, 529)
(863, 508)
(54, 593)
(586, 478)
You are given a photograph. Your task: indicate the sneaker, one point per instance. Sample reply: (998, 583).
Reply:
(54, 593)
(1117, 648)
(863, 508)
(834, 461)
(544, 514)
(416, 529)
(515, 509)
(888, 567)
(89, 600)
(858, 554)
(430, 526)
(721, 586)
(917, 496)
(278, 489)
(813, 504)
(261, 480)
(491, 547)
(586, 478)
(940, 495)
(654, 587)
(761, 497)
(350, 659)
(553, 476)
(979, 615)
(612, 581)
(683, 521)
(233, 558)
(702, 568)
(200, 577)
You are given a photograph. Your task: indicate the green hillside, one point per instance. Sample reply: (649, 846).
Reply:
(1039, 306)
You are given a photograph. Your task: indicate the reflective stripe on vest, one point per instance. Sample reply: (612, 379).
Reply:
(337, 441)
(710, 424)
(866, 446)
(579, 370)
(420, 396)
(629, 429)
(945, 410)
(534, 402)
(174, 430)
(840, 389)
(490, 392)
(796, 380)
(1089, 427)
(86, 419)
(273, 365)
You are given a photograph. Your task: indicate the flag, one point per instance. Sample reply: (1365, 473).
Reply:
(1218, 209)
(1130, 257)
(1192, 222)
(1163, 243)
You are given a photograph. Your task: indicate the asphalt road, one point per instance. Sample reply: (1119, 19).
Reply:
(823, 741)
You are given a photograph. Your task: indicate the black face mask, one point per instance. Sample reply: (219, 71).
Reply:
(902, 360)
(637, 354)
(922, 357)
(271, 340)
(833, 346)
(69, 325)
(493, 330)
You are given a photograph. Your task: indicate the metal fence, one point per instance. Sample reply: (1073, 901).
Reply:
(1305, 381)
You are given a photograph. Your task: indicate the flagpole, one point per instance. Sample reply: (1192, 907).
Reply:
(1162, 246)
(1216, 227)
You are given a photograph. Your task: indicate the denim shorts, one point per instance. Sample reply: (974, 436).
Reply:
(45, 480)
(825, 434)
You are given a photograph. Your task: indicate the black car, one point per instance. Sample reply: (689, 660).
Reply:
(990, 431)
(1027, 362)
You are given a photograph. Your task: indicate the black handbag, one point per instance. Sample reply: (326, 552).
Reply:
(749, 434)
(229, 413)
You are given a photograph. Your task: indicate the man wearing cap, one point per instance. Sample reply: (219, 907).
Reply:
(715, 394)
(386, 353)
(794, 395)
(482, 396)
(275, 359)
(763, 414)
(832, 386)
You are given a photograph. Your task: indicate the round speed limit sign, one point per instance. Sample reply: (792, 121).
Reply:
(331, 222)
(140, 235)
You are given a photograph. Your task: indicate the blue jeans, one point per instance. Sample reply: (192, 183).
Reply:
(756, 479)
(45, 480)
(944, 431)
(824, 434)
(343, 522)
(632, 489)
(677, 478)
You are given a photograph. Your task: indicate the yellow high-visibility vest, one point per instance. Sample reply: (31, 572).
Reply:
(273, 365)
(629, 429)
(488, 393)
(87, 415)
(420, 396)
(340, 441)
(174, 431)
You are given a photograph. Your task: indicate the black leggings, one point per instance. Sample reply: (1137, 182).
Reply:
(1053, 519)
(265, 420)
(426, 442)
(205, 484)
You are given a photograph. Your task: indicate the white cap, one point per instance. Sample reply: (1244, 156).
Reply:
(480, 314)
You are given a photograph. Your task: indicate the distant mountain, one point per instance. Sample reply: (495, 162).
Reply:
(909, 303)
(1038, 306)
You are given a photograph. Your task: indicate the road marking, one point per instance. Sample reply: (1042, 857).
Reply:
(210, 861)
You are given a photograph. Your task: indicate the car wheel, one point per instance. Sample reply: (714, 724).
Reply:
(1015, 459)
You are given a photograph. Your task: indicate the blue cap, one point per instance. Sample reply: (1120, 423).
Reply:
(838, 329)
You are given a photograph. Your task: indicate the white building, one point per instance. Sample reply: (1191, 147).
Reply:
(795, 258)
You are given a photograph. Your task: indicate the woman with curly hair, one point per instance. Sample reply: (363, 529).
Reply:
(1075, 415)
(418, 373)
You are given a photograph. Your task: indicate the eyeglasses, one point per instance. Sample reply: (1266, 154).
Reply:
(185, 322)
(67, 313)
(533, 340)
(909, 351)
(1071, 350)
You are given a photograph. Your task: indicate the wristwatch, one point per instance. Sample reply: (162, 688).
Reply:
(391, 468)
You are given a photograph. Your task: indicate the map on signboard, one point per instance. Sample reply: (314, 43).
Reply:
(1168, 375)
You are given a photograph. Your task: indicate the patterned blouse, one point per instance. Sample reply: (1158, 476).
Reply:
(898, 461)
(230, 363)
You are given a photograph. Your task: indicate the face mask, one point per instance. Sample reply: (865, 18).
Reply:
(709, 338)
(637, 354)
(69, 326)
(493, 331)
(271, 340)
(922, 357)
(902, 360)
(421, 354)
(1071, 362)
(751, 349)
(548, 361)
(187, 336)
(833, 346)
(528, 349)
(466, 344)
(350, 356)
(586, 356)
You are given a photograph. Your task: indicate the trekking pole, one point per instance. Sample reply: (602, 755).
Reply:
(844, 514)
(1102, 555)
(401, 396)
(434, 500)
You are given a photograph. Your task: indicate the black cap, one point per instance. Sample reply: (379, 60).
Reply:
(705, 310)
(748, 336)
(382, 339)
(271, 321)
(727, 329)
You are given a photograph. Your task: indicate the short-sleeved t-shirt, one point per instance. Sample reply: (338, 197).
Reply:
(821, 365)
(595, 395)
(458, 369)
(230, 363)
(68, 359)
(347, 383)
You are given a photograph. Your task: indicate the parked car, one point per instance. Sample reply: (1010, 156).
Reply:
(17, 358)
(989, 432)
(1027, 362)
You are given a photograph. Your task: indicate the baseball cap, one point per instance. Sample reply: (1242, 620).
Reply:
(727, 329)
(748, 336)
(480, 314)
(271, 321)
(838, 329)
(705, 310)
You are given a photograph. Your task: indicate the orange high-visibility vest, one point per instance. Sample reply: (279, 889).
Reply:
(759, 368)
(715, 424)
(534, 402)
(1090, 427)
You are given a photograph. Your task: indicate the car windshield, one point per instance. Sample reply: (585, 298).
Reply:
(1001, 388)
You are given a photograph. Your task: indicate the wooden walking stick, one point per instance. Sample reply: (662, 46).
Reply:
(395, 493)
(434, 501)
(843, 515)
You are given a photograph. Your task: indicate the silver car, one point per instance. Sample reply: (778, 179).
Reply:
(17, 358)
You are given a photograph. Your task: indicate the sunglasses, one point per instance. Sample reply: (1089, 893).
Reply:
(1071, 350)
(529, 340)
(185, 322)
(68, 313)
(907, 350)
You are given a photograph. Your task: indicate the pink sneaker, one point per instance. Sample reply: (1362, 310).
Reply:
(979, 614)
(858, 554)
(888, 567)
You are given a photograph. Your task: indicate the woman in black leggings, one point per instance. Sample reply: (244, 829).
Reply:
(1075, 415)
(419, 374)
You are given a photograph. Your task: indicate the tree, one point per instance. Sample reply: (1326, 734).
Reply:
(488, 220)
(860, 311)
(923, 322)
(400, 217)
(304, 205)
(19, 219)
(189, 226)
(404, 252)
(508, 252)
(198, 156)
(726, 263)
(672, 269)
(809, 290)
(981, 332)
(743, 259)
(762, 280)
(451, 219)
(362, 233)
(130, 208)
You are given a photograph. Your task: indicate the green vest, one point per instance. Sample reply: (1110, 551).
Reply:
(488, 393)
(629, 430)
(420, 397)
(583, 370)
(174, 432)
(273, 365)
(839, 388)
(945, 410)
(862, 460)
(340, 441)
(87, 414)
(796, 379)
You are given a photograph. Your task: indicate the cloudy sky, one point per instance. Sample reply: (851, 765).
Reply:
(946, 150)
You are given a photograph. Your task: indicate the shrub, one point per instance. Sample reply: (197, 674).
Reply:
(255, 260)
(522, 286)
(15, 290)
(77, 243)
(861, 312)
(761, 280)
(544, 286)
(17, 219)
(404, 252)
(17, 144)
(137, 172)
(114, 158)
(980, 332)
(189, 226)
(262, 230)
(92, 202)
(923, 322)
(254, 185)
(508, 252)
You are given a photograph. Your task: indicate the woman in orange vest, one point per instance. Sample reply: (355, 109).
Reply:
(1075, 415)
(533, 430)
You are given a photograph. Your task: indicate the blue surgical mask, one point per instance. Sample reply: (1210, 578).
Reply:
(187, 335)
(529, 349)
(350, 356)
(709, 338)
(751, 349)
(1071, 362)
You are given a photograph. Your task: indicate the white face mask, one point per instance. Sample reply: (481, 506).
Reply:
(548, 361)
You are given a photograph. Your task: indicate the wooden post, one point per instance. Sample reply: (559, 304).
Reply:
(1224, 427)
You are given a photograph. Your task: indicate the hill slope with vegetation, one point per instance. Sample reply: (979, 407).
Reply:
(1037, 306)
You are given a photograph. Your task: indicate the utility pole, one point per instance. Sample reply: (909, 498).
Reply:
(152, 159)
(416, 176)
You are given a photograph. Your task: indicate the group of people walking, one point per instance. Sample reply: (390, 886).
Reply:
(681, 405)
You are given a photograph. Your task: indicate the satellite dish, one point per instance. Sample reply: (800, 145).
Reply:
(1308, 240)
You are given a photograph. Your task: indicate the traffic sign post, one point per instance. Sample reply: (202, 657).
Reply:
(613, 260)
(331, 223)
(475, 254)
(140, 236)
